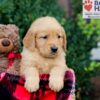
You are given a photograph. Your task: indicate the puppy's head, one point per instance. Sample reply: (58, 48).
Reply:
(47, 37)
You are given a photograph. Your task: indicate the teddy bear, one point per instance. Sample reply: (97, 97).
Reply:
(9, 49)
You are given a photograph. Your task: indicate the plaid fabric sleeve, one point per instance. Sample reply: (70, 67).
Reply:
(15, 86)
(68, 92)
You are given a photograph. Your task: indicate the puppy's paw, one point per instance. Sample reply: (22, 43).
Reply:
(32, 85)
(12, 71)
(56, 83)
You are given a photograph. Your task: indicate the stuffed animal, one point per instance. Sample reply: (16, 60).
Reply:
(9, 49)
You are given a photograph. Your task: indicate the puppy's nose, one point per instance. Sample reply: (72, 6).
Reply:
(5, 42)
(54, 49)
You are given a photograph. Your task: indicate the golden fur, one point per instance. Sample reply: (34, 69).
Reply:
(37, 58)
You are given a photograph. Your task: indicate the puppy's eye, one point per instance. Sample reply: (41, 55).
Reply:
(59, 36)
(44, 37)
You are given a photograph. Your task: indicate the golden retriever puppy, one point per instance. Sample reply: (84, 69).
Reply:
(44, 52)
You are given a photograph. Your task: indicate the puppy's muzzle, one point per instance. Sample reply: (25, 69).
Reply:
(54, 49)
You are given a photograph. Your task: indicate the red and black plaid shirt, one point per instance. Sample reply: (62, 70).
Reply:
(12, 88)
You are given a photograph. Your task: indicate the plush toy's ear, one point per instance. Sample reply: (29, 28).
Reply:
(29, 40)
(13, 28)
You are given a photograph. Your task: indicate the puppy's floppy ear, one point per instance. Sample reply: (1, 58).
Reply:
(64, 42)
(29, 40)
